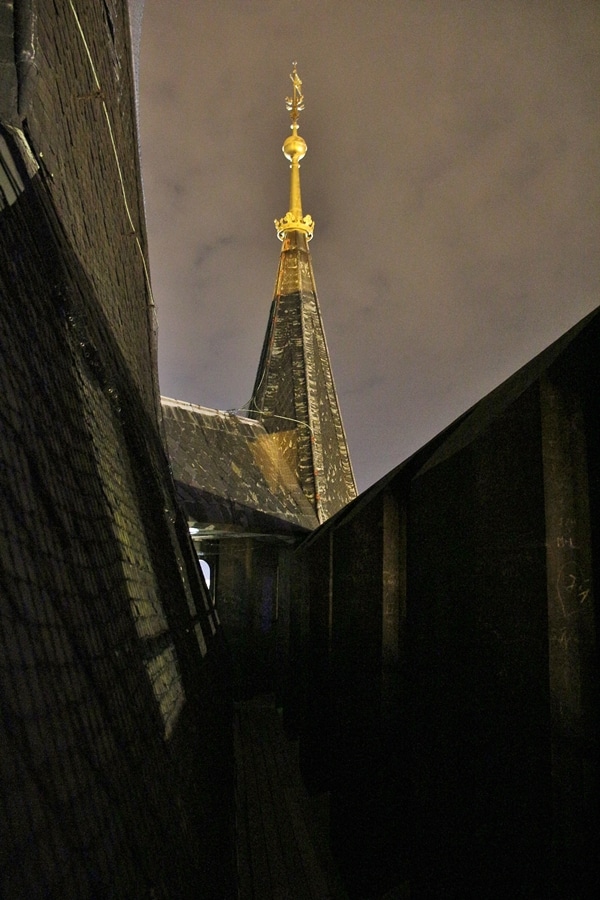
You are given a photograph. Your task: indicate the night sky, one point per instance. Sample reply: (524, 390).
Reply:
(452, 172)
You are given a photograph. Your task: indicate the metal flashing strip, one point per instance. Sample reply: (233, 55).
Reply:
(11, 184)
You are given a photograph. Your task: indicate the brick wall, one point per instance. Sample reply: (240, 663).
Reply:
(115, 751)
(79, 115)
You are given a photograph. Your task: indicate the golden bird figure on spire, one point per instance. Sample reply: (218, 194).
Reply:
(295, 103)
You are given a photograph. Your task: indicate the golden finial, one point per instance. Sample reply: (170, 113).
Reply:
(294, 148)
(295, 103)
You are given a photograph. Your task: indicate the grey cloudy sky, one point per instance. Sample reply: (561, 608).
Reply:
(452, 171)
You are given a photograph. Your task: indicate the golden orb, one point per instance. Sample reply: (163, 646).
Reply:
(294, 147)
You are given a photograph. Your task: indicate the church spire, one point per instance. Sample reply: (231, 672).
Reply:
(294, 393)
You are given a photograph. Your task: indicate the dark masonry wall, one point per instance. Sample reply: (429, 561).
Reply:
(452, 700)
(115, 710)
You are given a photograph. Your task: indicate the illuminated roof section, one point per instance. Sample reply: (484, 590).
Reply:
(230, 474)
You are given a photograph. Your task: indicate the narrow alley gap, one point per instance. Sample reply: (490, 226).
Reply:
(282, 839)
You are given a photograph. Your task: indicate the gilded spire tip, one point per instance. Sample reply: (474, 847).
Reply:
(294, 148)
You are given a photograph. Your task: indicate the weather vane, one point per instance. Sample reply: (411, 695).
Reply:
(295, 103)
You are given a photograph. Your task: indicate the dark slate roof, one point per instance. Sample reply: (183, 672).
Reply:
(230, 474)
(294, 394)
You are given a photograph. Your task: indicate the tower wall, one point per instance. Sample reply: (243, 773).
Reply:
(115, 745)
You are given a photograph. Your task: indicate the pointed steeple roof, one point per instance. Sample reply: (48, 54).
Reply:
(294, 393)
